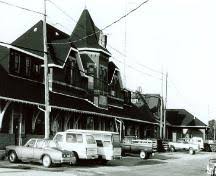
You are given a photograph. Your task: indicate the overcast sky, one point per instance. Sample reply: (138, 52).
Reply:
(176, 36)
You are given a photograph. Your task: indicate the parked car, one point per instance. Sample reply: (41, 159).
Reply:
(211, 167)
(137, 146)
(197, 140)
(108, 144)
(82, 145)
(44, 151)
(182, 144)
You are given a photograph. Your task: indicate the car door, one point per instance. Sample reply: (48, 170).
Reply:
(27, 150)
(38, 149)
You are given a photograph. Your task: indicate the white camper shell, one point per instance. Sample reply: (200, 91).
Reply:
(83, 145)
(108, 144)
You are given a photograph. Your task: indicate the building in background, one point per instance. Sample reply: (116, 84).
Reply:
(181, 124)
(85, 88)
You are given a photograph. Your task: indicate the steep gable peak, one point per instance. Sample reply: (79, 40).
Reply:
(87, 35)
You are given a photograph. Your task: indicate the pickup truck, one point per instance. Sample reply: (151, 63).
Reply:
(131, 145)
(183, 145)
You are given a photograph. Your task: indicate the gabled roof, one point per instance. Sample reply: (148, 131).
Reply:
(182, 118)
(153, 101)
(86, 27)
(33, 38)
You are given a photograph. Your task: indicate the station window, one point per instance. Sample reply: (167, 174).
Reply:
(28, 66)
(17, 63)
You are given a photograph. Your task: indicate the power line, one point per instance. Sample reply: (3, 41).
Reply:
(149, 68)
(138, 63)
(116, 21)
(121, 53)
(65, 13)
(116, 50)
(133, 68)
(23, 8)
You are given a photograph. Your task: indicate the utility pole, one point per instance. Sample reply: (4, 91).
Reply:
(46, 81)
(161, 117)
(161, 108)
(165, 105)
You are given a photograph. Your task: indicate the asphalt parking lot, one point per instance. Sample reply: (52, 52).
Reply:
(175, 164)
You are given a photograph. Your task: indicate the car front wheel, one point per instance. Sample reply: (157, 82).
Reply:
(12, 157)
(46, 161)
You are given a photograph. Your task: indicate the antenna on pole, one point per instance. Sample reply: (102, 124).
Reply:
(46, 81)
(125, 44)
(165, 106)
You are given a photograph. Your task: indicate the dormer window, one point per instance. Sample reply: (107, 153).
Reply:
(70, 70)
(102, 40)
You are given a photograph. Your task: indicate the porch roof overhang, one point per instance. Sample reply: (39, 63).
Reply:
(70, 103)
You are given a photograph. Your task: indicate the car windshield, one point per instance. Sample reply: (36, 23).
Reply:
(53, 144)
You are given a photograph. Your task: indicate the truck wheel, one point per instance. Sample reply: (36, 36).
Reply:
(12, 157)
(172, 149)
(143, 155)
(191, 151)
(46, 160)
